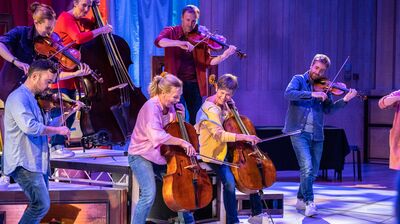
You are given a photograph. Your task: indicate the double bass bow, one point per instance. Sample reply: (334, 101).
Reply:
(186, 186)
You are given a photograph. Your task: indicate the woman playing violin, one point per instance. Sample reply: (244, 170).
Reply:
(187, 62)
(16, 47)
(213, 142)
(73, 27)
(147, 137)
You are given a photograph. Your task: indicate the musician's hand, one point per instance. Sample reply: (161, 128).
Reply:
(189, 149)
(350, 95)
(84, 70)
(185, 45)
(106, 29)
(63, 130)
(319, 95)
(228, 52)
(78, 105)
(248, 138)
(180, 108)
(23, 66)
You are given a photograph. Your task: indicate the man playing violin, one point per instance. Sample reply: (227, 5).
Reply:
(187, 62)
(26, 151)
(73, 28)
(213, 141)
(306, 112)
(17, 47)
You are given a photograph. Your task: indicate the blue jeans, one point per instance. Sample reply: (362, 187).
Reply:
(144, 173)
(308, 153)
(228, 182)
(192, 98)
(60, 139)
(36, 189)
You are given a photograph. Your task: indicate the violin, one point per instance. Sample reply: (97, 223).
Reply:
(200, 34)
(322, 84)
(69, 58)
(186, 186)
(50, 101)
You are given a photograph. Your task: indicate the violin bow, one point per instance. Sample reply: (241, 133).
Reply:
(337, 74)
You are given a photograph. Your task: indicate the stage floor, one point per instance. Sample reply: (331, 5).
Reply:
(349, 202)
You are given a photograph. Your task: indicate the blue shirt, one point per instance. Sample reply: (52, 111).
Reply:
(24, 143)
(19, 42)
(298, 92)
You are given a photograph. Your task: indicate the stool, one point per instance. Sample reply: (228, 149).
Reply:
(354, 149)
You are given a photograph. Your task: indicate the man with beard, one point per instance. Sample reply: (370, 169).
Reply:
(187, 62)
(306, 112)
(26, 150)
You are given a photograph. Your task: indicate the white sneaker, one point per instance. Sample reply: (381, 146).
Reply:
(300, 204)
(4, 182)
(311, 209)
(259, 219)
(60, 152)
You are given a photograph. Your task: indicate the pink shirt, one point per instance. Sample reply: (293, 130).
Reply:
(149, 134)
(394, 136)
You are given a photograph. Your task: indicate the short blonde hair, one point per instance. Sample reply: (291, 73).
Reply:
(321, 58)
(163, 83)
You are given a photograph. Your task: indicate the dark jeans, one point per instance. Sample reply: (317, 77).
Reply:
(36, 189)
(192, 98)
(228, 182)
(60, 139)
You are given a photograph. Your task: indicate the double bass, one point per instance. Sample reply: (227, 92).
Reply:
(116, 102)
(186, 186)
(257, 170)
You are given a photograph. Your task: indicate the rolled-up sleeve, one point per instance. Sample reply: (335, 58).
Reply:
(165, 33)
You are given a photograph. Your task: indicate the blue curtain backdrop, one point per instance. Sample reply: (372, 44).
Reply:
(139, 23)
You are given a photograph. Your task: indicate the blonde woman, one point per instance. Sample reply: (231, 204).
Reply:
(148, 135)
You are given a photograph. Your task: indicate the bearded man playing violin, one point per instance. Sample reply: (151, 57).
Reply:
(26, 150)
(187, 62)
(306, 112)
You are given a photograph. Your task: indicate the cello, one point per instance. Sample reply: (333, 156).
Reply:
(186, 186)
(117, 99)
(257, 170)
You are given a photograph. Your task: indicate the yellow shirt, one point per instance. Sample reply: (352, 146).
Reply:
(212, 136)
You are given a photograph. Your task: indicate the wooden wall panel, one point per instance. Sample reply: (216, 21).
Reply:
(281, 37)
